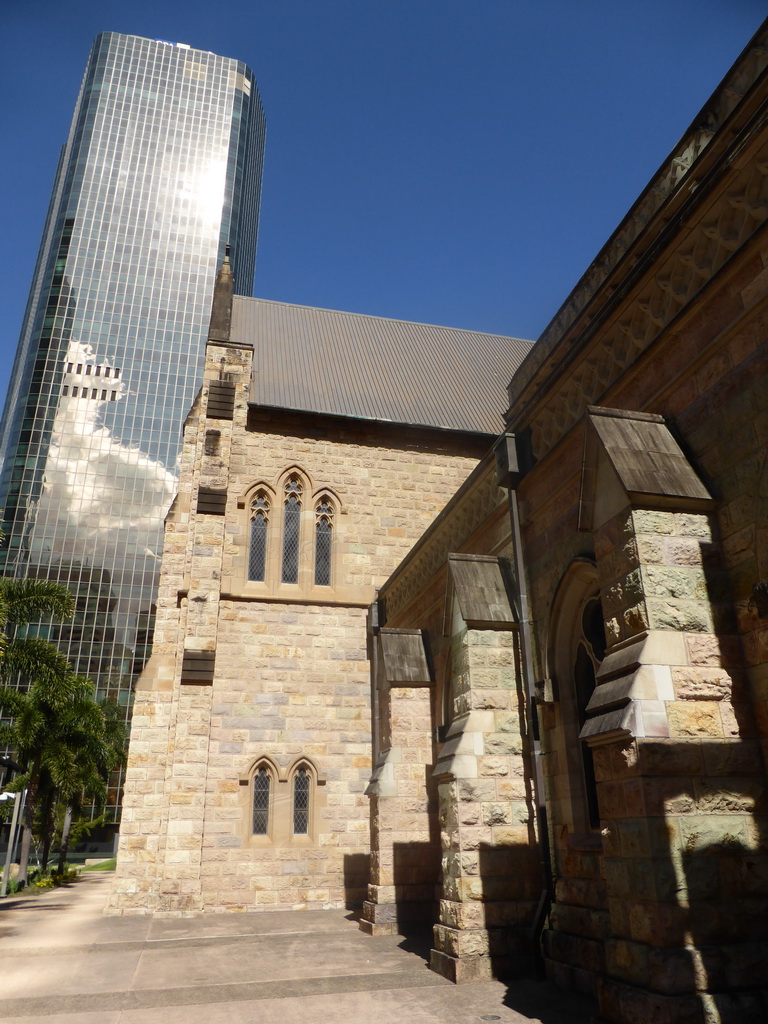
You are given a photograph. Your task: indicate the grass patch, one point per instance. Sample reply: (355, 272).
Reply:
(106, 865)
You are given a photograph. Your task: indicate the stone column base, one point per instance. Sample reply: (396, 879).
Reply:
(480, 953)
(126, 906)
(379, 918)
(390, 909)
(122, 904)
(178, 905)
(620, 1003)
(460, 969)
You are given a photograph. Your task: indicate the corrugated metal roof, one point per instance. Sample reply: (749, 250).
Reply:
(369, 367)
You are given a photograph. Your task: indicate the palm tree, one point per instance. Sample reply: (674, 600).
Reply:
(36, 664)
(81, 742)
(86, 757)
(32, 734)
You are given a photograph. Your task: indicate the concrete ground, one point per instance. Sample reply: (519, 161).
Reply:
(63, 963)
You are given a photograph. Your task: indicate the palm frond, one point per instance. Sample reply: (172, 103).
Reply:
(37, 661)
(27, 600)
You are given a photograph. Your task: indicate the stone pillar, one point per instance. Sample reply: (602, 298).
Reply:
(680, 782)
(491, 875)
(404, 849)
(404, 854)
(681, 785)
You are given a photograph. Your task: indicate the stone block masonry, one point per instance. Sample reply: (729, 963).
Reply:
(290, 688)
(490, 871)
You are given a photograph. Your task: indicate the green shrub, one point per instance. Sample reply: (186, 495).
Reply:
(64, 877)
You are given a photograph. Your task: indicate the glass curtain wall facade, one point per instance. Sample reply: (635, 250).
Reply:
(162, 169)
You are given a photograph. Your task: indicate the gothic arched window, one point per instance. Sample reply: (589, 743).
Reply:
(323, 541)
(301, 791)
(590, 651)
(257, 546)
(291, 530)
(262, 784)
(578, 648)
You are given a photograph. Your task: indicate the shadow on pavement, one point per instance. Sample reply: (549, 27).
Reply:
(29, 904)
(417, 942)
(543, 1002)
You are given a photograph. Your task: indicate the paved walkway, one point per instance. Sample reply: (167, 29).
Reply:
(63, 963)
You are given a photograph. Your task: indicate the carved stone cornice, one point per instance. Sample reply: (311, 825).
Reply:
(707, 201)
(677, 278)
(726, 113)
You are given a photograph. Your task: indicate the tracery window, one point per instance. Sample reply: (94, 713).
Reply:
(291, 535)
(257, 547)
(323, 541)
(262, 784)
(301, 787)
(291, 530)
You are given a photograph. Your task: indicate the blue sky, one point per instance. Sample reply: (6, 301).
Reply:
(449, 161)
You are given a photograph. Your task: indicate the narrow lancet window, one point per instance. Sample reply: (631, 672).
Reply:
(301, 781)
(257, 548)
(261, 786)
(323, 542)
(291, 530)
(589, 656)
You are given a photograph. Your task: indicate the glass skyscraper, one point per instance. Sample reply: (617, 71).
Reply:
(161, 170)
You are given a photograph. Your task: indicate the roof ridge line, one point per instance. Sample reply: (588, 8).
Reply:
(390, 319)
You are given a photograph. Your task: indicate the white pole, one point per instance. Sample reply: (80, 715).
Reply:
(11, 844)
